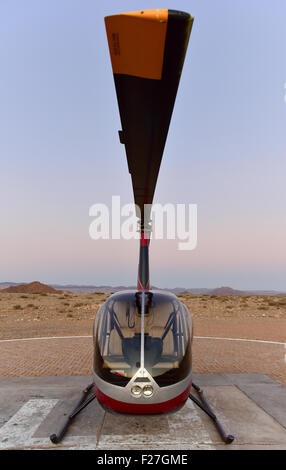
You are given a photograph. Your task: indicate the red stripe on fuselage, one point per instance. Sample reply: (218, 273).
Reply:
(148, 408)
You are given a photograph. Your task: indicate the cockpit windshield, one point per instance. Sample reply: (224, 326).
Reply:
(166, 337)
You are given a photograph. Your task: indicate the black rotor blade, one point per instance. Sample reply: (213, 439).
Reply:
(147, 52)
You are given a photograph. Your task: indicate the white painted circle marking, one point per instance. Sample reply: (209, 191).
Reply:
(195, 337)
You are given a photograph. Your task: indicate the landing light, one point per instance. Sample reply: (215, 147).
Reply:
(148, 391)
(136, 391)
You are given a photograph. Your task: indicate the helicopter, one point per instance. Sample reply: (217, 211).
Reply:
(142, 338)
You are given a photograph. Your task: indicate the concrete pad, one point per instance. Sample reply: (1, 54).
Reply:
(244, 379)
(272, 399)
(183, 429)
(242, 417)
(211, 379)
(16, 391)
(232, 379)
(32, 408)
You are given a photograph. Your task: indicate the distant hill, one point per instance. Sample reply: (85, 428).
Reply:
(37, 287)
(91, 289)
(175, 290)
(4, 285)
(110, 289)
(32, 288)
(227, 291)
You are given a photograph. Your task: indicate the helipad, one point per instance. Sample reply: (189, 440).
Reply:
(252, 407)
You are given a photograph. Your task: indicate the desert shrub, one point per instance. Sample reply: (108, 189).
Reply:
(17, 307)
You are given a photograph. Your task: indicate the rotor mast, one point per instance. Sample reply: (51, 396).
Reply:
(143, 280)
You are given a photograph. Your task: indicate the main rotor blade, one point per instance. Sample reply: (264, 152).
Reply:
(147, 50)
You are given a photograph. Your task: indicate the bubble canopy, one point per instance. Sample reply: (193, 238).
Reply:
(149, 331)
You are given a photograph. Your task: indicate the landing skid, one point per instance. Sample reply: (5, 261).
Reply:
(203, 404)
(85, 400)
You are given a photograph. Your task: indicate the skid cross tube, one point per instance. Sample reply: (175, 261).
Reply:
(203, 404)
(83, 402)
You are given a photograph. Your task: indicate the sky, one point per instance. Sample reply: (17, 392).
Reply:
(60, 153)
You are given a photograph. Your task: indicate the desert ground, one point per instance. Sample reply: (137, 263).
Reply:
(45, 314)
